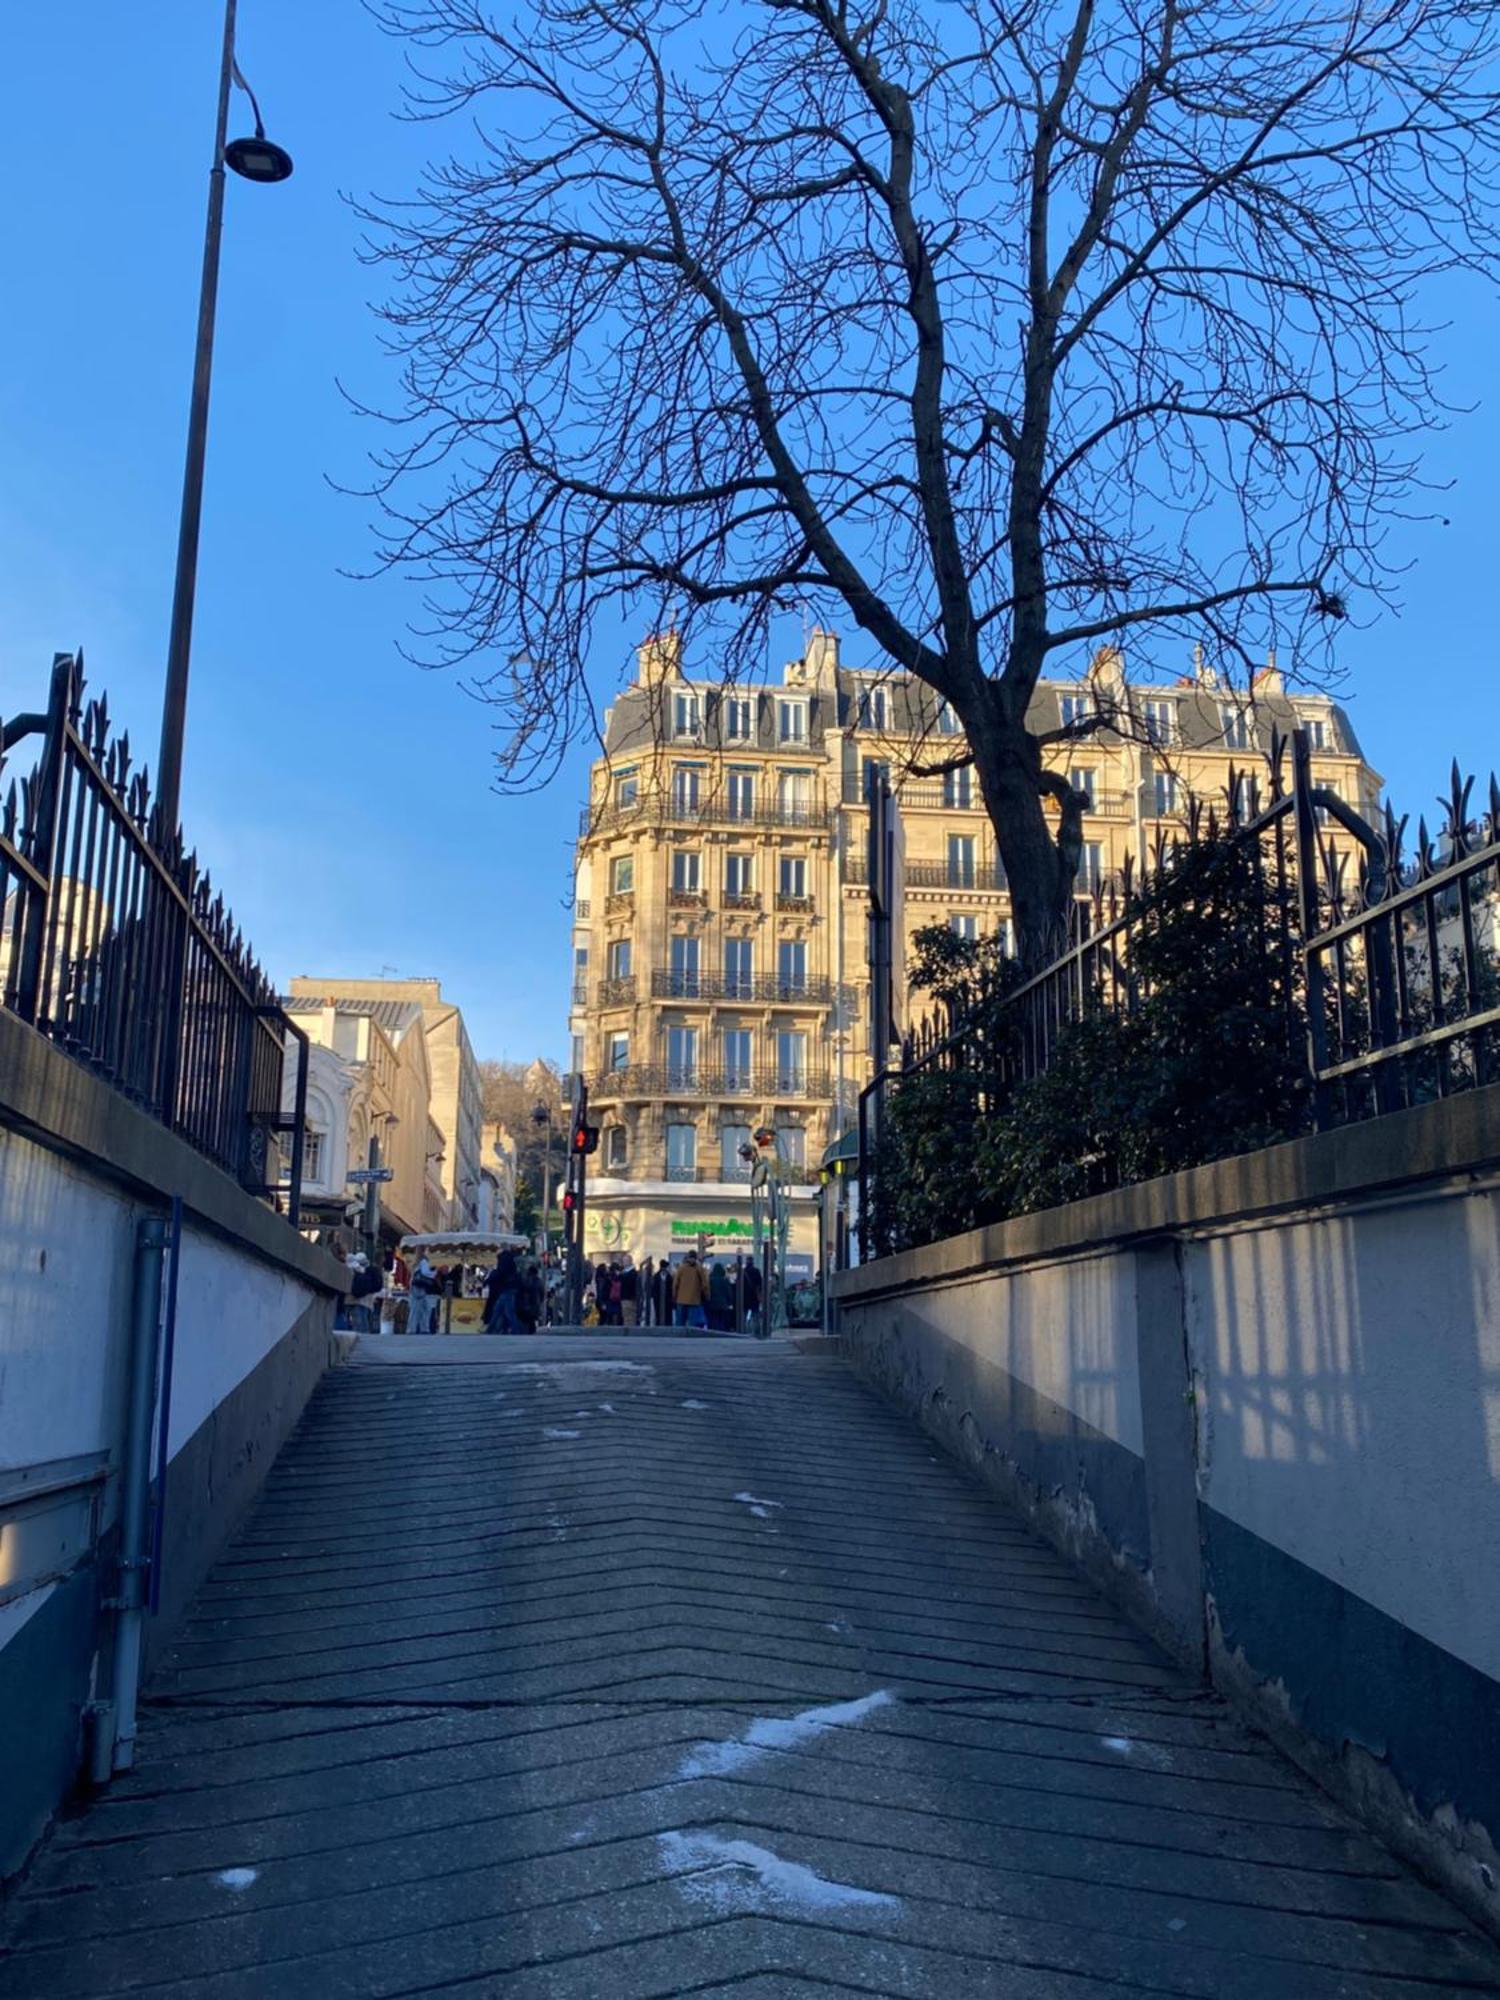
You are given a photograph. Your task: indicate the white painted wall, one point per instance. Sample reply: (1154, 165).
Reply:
(1349, 1393)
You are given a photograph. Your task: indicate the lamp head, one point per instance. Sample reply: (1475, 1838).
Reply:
(258, 159)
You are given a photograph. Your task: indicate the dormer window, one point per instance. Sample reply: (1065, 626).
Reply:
(791, 721)
(874, 709)
(739, 718)
(947, 722)
(1076, 708)
(1235, 725)
(687, 714)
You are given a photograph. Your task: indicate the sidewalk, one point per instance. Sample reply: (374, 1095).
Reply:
(604, 1666)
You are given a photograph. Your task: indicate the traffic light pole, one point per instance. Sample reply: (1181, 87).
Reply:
(578, 1175)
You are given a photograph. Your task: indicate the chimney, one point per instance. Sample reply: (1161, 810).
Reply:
(1268, 679)
(659, 658)
(822, 662)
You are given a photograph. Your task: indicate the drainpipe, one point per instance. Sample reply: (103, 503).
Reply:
(135, 1494)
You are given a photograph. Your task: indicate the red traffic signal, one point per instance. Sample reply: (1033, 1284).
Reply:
(569, 1201)
(585, 1138)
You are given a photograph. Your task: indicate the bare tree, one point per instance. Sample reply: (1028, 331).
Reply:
(1009, 329)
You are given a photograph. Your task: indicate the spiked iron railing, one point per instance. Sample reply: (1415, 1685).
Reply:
(1398, 959)
(117, 948)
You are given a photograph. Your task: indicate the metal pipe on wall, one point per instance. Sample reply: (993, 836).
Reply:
(135, 1483)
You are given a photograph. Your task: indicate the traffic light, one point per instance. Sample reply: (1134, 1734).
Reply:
(569, 1201)
(585, 1138)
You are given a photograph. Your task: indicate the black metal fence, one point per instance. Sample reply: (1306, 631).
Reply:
(117, 949)
(1386, 969)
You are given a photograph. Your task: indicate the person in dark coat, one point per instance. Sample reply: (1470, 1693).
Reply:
(500, 1294)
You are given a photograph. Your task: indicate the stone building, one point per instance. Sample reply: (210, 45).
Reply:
(719, 949)
(455, 1100)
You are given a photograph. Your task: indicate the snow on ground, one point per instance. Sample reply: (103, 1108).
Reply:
(768, 1733)
(761, 1509)
(556, 1431)
(692, 1403)
(738, 1876)
(238, 1878)
(584, 1376)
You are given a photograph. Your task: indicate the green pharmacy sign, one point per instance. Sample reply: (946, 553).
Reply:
(695, 1229)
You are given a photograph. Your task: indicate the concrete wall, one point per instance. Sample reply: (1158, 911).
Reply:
(79, 1167)
(1260, 1402)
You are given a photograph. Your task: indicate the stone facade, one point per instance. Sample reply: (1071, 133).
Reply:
(720, 977)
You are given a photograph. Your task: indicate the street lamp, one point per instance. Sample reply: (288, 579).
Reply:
(261, 160)
(541, 1116)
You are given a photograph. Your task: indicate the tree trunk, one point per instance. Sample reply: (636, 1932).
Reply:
(1038, 872)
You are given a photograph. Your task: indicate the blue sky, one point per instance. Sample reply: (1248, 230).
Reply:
(341, 796)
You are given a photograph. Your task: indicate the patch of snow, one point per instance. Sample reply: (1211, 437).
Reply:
(768, 1733)
(734, 1876)
(555, 1431)
(692, 1403)
(1121, 1745)
(606, 1409)
(583, 1376)
(761, 1509)
(238, 1878)
(1176, 1923)
(840, 1626)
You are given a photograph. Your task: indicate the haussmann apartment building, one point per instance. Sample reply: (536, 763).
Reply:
(719, 949)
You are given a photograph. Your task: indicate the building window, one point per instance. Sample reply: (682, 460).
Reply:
(627, 788)
(947, 721)
(739, 718)
(791, 875)
(622, 875)
(1076, 708)
(682, 1152)
(1164, 793)
(1317, 734)
(731, 1166)
(1007, 936)
(1235, 725)
(684, 968)
(874, 709)
(738, 874)
(961, 861)
(580, 975)
(618, 960)
(614, 1147)
(576, 1067)
(687, 871)
(1244, 796)
(687, 714)
(738, 1073)
(1091, 865)
(794, 796)
(791, 1061)
(874, 769)
(739, 968)
(964, 927)
(1321, 812)
(958, 788)
(617, 1053)
(1082, 778)
(687, 788)
(791, 966)
(791, 721)
(791, 1145)
(312, 1154)
(741, 793)
(682, 1058)
(1159, 720)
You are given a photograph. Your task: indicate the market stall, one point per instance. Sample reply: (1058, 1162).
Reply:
(472, 1252)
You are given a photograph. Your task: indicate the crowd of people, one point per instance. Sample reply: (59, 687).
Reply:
(522, 1293)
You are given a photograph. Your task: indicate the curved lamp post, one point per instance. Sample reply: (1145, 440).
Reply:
(259, 159)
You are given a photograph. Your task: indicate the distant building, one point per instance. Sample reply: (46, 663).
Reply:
(497, 1180)
(719, 978)
(456, 1098)
(368, 1078)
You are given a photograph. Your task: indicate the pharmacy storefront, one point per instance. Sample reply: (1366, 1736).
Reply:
(657, 1219)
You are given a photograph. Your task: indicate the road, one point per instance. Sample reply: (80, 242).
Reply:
(607, 1667)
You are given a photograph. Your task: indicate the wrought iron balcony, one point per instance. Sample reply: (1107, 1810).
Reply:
(747, 899)
(719, 810)
(686, 899)
(801, 905)
(766, 1083)
(986, 880)
(617, 992)
(759, 988)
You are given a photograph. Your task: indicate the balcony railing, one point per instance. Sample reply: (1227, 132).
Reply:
(617, 992)
(800, 1176)
(686, 899)
(988, 879)
(747, 899)
(619, 902)
(763, 988)
(664, 810)
(937, 798)
(752, 1084)
(801, 905)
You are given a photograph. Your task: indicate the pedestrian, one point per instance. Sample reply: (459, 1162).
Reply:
(424, 1286)
(646, 1312)
(664, 1292)
(529, 1296)
(690, 1293)
(500, 1294)
(720, 1298)
(753, 1289)
(614, 1296)
(629, 1295)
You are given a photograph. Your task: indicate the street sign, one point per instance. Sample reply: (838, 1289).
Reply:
(363, 1175)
